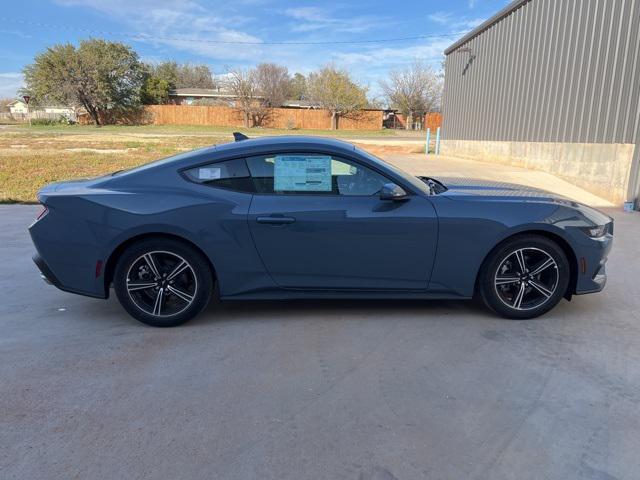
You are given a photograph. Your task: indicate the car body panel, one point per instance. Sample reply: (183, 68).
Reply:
(338, 242)
(430, 246)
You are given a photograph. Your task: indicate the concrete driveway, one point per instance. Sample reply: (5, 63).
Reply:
(317, 390)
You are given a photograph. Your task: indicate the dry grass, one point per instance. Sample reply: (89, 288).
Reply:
(32, 157)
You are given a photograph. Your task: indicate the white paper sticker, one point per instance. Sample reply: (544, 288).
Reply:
(302, 174)
(209, 173)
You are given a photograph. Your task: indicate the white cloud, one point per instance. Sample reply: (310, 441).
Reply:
(10, 83)
(455, 23)
(184, 25)
(472, 3)
(442, 18)
(172, 26)
(308, 19)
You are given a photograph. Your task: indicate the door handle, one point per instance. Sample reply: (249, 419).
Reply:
(273, 220)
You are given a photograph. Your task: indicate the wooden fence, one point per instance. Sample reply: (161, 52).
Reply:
(286, 118)
(291, 118)
(430, 120)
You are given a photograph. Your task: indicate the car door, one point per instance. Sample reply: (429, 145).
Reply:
(318, 223)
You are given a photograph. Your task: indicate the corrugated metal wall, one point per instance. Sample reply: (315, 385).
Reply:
(550, 71)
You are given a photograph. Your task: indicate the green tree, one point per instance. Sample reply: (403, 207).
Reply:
(181, 75)
(155, 90)
(299, 87)
(97, 75)
(167, 71)
(334, 90)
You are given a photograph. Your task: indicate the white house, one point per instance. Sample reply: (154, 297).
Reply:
(19, 107)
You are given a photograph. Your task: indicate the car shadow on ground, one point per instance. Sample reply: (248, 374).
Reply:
(338, 309)
(291, 310)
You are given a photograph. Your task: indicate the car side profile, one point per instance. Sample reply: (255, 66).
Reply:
(306, 217)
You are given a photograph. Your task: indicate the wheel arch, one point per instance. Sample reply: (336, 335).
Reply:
(112, 260)
(556, 238)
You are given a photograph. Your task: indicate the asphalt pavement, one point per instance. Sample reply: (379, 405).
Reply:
(317, 390)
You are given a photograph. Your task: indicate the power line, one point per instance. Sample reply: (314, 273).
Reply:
(148, 37)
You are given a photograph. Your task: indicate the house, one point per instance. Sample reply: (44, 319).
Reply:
(19, 107)
(188, 96)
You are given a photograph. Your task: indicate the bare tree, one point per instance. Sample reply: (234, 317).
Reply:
(414, 91)
(4, 104)
(334, 90)
(194, 76)
(244, 86)
(273, 83)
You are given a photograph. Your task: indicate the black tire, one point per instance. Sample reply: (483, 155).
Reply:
(518, 295)
(183, 291)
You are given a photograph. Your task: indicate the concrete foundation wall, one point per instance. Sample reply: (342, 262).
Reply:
(602, 169)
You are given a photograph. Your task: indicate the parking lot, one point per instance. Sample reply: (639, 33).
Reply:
(318, 390)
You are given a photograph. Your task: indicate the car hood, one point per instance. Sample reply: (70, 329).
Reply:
(480, 190)
(488, 188)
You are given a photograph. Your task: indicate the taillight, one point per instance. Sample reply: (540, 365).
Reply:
(42, 213)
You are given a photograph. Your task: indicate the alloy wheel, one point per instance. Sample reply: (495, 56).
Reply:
(161, 283)
(526, 279)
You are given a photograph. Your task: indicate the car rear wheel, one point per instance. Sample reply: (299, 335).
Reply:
(163, 282)
(525, 277)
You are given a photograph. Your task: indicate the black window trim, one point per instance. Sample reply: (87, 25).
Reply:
(275, 151)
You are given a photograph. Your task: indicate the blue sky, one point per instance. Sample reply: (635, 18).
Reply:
(186, 31)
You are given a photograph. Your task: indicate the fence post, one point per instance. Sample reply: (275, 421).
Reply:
(428, 141)
(438, 141)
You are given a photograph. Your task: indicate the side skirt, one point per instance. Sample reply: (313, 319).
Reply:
(283, 294)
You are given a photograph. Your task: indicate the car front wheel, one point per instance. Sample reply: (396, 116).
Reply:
(525, 277)
(163, 282)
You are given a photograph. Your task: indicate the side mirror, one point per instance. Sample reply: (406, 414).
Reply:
(391, 191)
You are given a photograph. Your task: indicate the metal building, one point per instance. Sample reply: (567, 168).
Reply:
(552, 85)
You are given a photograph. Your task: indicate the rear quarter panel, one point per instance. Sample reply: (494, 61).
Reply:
(84, 227)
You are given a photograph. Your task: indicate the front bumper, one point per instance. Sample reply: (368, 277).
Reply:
(592, 262)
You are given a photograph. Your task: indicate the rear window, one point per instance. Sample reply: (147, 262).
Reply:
(232, 174)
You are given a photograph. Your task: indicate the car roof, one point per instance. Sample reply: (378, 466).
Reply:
(253, 146)
(288, 140)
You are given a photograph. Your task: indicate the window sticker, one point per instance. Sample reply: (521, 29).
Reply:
(209, 173)
(302, 174)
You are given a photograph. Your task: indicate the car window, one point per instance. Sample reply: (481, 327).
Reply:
(232, 174)
(308, 173)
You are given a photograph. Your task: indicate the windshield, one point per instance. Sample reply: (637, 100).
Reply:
(412, 179)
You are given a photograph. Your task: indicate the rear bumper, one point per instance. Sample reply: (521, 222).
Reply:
(45, 272)
(49, 277)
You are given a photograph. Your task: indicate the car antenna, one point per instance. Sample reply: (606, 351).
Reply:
(238, 137)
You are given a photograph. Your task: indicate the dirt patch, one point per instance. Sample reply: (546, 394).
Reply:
(390, 149)
(97, 150)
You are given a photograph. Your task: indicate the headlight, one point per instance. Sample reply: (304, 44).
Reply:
(596, 232)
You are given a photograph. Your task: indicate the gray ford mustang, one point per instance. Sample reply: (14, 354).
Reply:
(305, 217)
